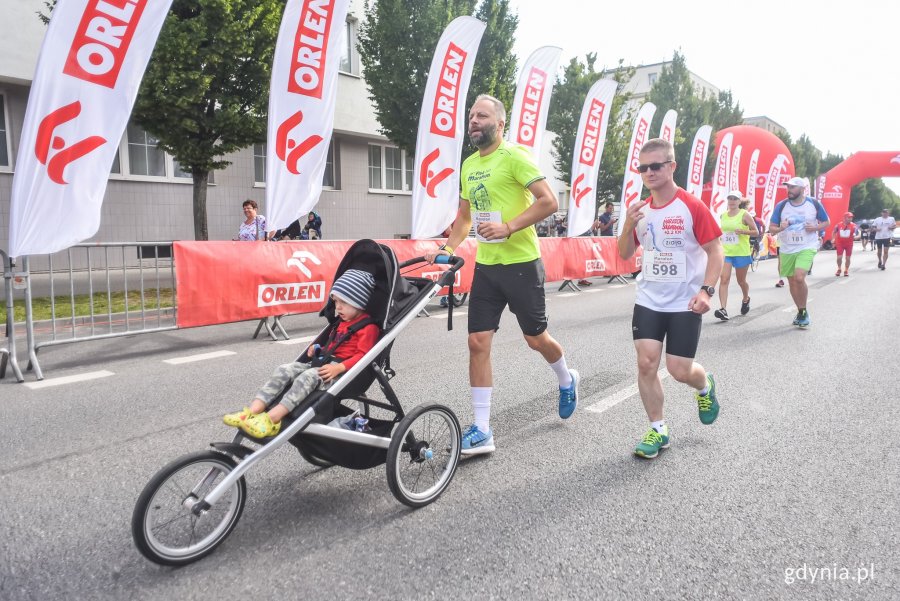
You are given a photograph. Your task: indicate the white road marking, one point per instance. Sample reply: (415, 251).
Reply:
(92, 375)
(565, 294)
(622, 395)
(442, 313)
(200, 357)
(594, 290)
(296, 340)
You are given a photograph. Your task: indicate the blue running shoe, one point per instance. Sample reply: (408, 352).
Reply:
(476, 442)
(568, 397)
(803, 319)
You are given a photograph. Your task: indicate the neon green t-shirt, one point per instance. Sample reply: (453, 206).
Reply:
(734, 245)
(499, 182)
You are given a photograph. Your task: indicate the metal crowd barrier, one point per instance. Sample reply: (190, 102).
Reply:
(89, 269)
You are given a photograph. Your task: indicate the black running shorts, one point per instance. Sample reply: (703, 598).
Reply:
(520, 285)
(680, 330)
(883, 242)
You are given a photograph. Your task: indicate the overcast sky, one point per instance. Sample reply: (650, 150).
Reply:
(827, 69)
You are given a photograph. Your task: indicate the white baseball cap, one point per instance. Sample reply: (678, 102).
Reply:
(735, 194)
(796, 181)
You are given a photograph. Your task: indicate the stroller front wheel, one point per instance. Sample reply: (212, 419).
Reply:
(423, 454)
(166, 530)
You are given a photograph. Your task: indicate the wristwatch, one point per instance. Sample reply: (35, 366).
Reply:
(709, 290)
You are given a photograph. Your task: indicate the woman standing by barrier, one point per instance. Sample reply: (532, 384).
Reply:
(254, 226)
(737, 227)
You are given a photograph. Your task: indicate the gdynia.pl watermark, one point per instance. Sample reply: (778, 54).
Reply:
(832, 573)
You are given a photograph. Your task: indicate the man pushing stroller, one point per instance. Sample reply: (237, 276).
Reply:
(348, 343)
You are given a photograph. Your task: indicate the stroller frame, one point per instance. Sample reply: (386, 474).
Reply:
(235, 460)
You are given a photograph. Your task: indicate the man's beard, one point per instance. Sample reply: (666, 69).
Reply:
(484, 138)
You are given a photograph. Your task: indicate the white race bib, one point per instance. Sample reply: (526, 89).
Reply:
(479, 217)
(845, 233)
(664, 266)
(729, 238)
(796, 237)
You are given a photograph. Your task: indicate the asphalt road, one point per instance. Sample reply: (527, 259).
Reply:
(798, 474)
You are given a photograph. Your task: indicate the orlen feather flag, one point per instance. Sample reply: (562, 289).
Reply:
(301, 106)
(632, 184)
(528, 119)
(586, 159)
(750, 192)
(734, 173)
(768, 204)
(820, 187)
(667, 130)
(699, 150)
(435, 191)
(87, 77)
(717, 204)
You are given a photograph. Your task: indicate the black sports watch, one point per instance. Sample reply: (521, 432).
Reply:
(709, 290)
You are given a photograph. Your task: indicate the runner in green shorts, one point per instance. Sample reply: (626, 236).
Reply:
(797, 221)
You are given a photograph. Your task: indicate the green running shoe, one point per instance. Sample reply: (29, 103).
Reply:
(652, 442)
(708, 404)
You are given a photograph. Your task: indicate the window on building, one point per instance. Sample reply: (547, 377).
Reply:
(390, 169)
(179, 172)
(374, 167)
(144, 156)
(116, 166)
(348, 50)
(651, 78)
(329, 180)
(4, 137)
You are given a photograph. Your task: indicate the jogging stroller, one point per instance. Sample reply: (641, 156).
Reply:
(191, 505)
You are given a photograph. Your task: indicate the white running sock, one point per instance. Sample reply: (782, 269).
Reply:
(562, 372)
(658, 426)
(481, 406)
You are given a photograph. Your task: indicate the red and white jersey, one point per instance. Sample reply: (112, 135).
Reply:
(844, 234)
(674, 262)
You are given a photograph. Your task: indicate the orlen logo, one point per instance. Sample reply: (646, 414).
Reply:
(532, 100)
(434, 276)
(290, 150)
(102, 39)
(269, 295)
(836, 191)
(697, 162)
(443, 113)
(307, 72)
(428, 178)
(591, 138)
(47, 139)
(577, 191)
(639, 140)
(597, 264)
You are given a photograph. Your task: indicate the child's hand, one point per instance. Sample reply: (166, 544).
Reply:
(313, 350)
(331, 371)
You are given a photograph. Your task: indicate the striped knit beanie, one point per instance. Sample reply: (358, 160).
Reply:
(354, 287)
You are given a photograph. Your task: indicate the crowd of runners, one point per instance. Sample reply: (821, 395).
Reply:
(687, 251)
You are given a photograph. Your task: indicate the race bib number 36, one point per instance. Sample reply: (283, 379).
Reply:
(661, 266)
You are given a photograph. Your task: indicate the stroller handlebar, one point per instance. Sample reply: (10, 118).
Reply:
(448, 276)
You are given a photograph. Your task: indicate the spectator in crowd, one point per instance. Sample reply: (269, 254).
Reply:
(254, 224)
(292, 232)
(313, 227)
(606, 223)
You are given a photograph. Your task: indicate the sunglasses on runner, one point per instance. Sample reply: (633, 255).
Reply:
(653, 166)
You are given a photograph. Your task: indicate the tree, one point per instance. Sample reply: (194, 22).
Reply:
(396, 44)
(569, 94)
(807, 158)
(674, 89)
(206, 89)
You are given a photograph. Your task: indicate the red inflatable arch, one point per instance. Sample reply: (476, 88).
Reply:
(835, 193)
(770, 146)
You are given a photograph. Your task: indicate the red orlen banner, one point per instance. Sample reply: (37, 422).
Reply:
(222, 282)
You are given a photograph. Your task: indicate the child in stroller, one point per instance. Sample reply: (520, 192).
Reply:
(348, 343)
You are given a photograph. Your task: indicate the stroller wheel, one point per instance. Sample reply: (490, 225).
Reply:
(460, 299)
(164, 528)
(423, 454)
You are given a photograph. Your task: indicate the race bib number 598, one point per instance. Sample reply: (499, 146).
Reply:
(660, 266)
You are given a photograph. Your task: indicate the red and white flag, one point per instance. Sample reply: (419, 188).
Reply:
(87, 78)
(586, 159)
(435, 192)
(632, 185)
(717, 204)
(699, 150)
(301, 106)
(750, 192)
(735, 171)
(820, 187)
(528, 119)
(772, 184)
(667, 130)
